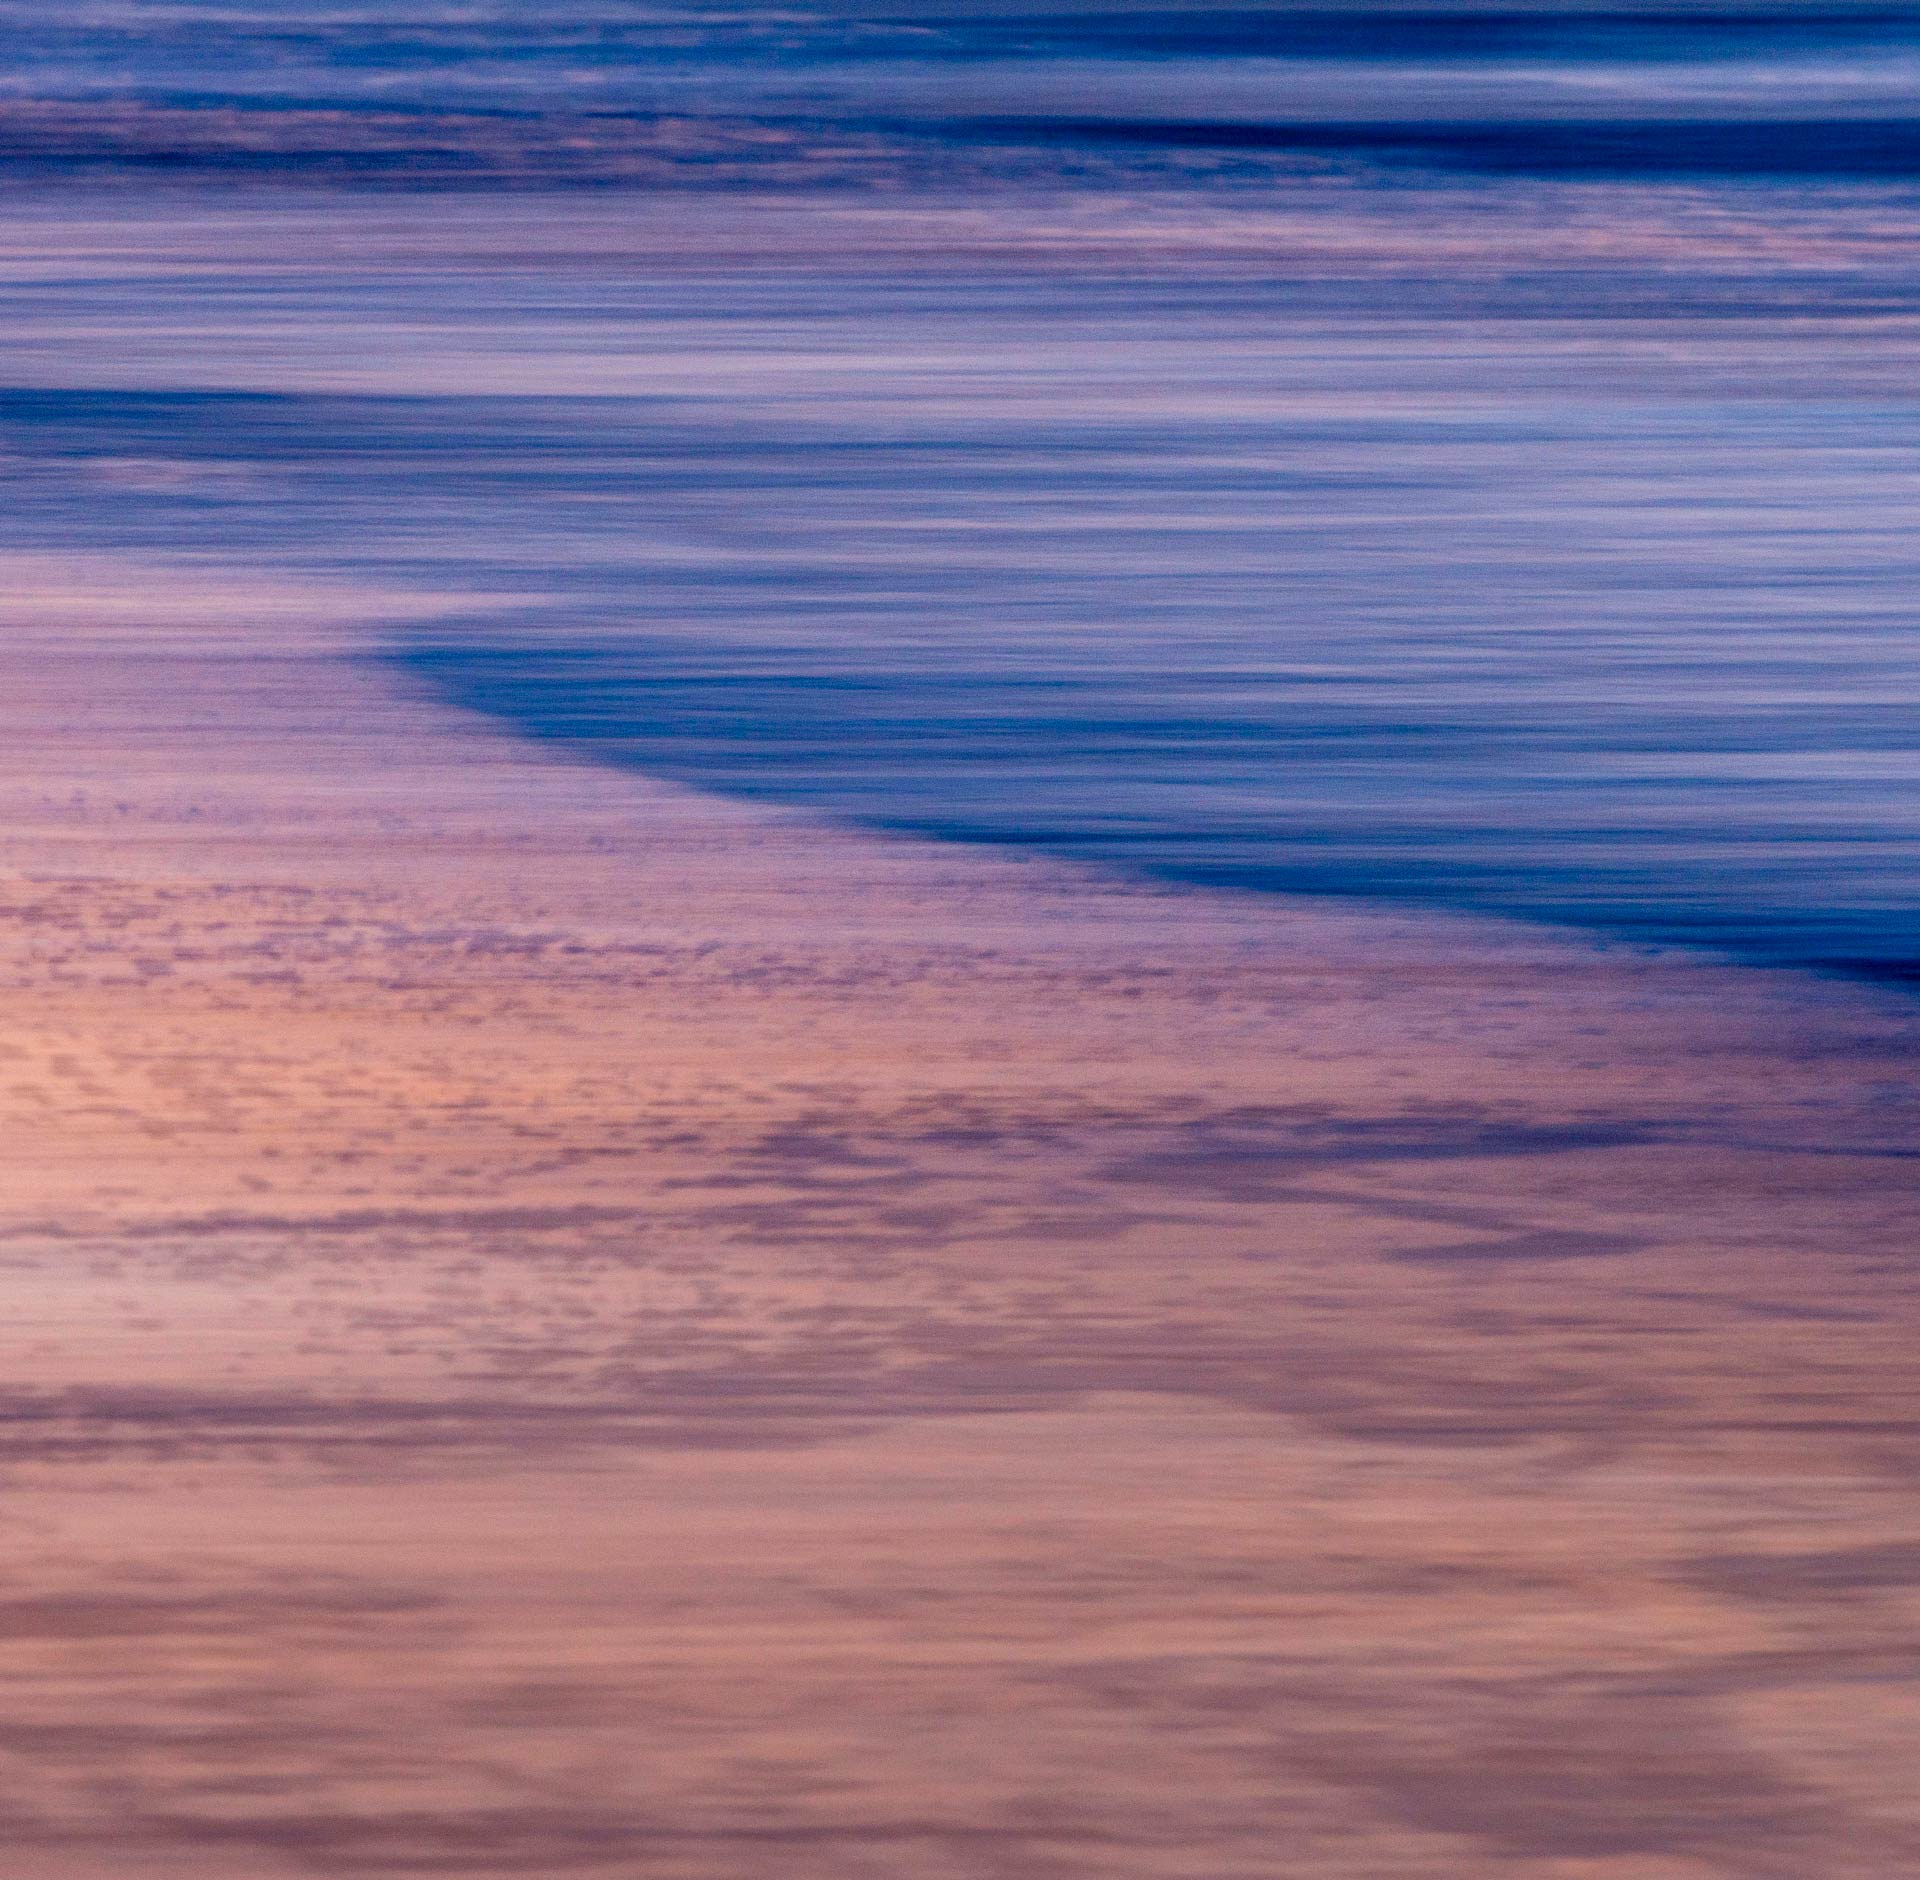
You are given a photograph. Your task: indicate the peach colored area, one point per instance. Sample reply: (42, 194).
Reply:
(557, 1327)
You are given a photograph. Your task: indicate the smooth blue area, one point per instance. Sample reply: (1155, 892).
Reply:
(416, 89)
(1525, 522)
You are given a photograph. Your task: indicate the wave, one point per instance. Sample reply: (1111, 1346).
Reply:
(1626, 147)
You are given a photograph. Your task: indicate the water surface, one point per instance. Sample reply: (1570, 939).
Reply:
(1455, 456)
